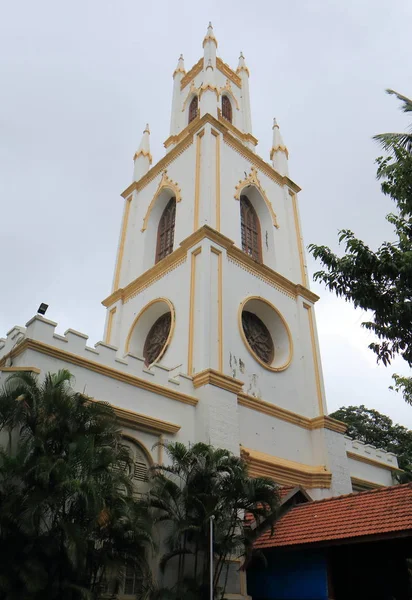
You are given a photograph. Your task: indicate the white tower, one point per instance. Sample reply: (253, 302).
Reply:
(211, 280)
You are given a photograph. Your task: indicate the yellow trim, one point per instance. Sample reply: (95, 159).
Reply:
(122, 243)
(172, 325)
(212, 377)
(299, 239)
(252, 179)
(245, 137)
(373, 462)
(195, 70)
(230, 74)
(129, 418)
(80, 361)
(188, 130)
(315, 357)
(112, 312)
(286, 472)
(145, 153)
(235, 254)
(327, 422)
(227, 89)
(164, 184)
(279, 148)
(219, 306)
(20, 370)
(217, 176)
(197, 180)
(370, 485)
(242, 333)
(288, 416)
(187, 139)
(142, 447)
(195, 253)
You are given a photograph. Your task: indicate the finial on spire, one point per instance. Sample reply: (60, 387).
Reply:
(180, 66)
(143, 158)
(242, 65)
(210, 36)
(279, 153)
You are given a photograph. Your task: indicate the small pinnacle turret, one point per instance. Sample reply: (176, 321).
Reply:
(180, 67)
(279, 153)
(142, 158)
(242, 65)
(209, 48)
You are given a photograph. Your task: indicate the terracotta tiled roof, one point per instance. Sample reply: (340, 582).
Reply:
(370, 513)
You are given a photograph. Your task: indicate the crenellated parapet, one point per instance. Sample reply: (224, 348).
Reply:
(367, 453)
(40, 336)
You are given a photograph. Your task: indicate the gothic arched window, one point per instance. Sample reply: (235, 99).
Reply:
(226, 108)
(250, 229)
(166, 231)
(193, 109)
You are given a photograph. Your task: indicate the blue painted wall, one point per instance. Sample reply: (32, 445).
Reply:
(289, 576)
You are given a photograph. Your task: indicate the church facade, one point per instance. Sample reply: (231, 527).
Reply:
(210, 332)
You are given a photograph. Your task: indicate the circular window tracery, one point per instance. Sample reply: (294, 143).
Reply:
(258, 337)
(156, 338)
(265, 333)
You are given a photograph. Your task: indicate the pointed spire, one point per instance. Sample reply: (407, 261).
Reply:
(210, 35)
(142, 158)
(279, 153)
(180, 66)
(242, 65)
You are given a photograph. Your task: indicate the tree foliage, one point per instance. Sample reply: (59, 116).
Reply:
(381, 281)
(68, 518)
(201, 483)
(371, 427)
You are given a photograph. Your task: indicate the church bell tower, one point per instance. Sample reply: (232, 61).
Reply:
(210, 279)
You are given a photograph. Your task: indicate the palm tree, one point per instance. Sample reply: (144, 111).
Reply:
(389, 141)
(68, 517)
(201, 483)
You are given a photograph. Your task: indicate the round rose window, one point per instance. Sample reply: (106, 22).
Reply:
(156, 338)
(258, 337)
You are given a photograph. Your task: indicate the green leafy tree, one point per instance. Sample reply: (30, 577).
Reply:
(201, 483)
(371, 427)
(381, 281)
(68, 516)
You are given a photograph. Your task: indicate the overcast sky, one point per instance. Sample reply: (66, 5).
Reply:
(80, 79)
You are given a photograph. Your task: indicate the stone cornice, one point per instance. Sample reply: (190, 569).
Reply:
(288, 416)
(373, 462)
(218, 379)
(192, 73)
(20, 370)
(81, 361)
(206, 232)
(286, 472)
(228, 72)
(128, 418)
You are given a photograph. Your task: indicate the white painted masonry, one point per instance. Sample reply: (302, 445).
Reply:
(208, 386)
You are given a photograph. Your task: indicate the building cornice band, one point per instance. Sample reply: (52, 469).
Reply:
(179, 255)
(128, 418)
(218, 379)
(373, 462)
(267, 408)
(81, 361)
(286, 472)
(221, 66)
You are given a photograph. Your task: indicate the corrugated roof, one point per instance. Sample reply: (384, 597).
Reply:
(370, 513)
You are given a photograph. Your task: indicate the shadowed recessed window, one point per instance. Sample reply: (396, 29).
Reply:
(226, 108)
(166, 231)
(258, 337)
(193, 109)
(250, 230)
(157, 338)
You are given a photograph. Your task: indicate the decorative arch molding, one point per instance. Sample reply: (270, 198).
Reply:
(227, 90)
(145, 451)
(165, 183)
(252, 179)
(193, 91)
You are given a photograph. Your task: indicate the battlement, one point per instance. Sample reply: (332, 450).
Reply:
(367, 451)
(42, 334)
